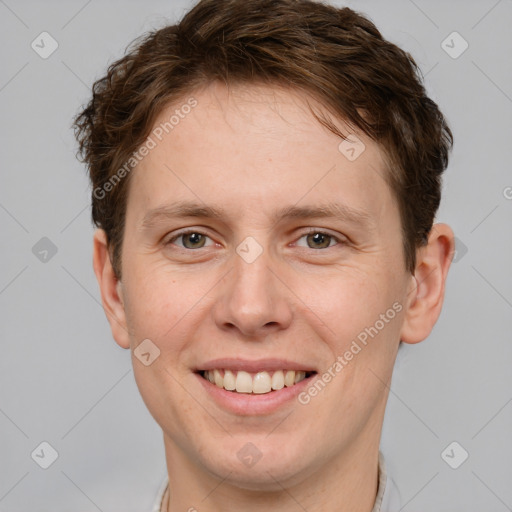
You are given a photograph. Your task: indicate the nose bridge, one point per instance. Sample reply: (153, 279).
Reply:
(252, 300)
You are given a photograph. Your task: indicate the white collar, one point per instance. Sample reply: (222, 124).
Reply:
(388, 496)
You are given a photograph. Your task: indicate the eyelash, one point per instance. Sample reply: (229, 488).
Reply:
(310, 231)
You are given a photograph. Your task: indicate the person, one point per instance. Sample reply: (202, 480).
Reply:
(265, 177)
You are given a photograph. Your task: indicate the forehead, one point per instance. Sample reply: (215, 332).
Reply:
(255, 146)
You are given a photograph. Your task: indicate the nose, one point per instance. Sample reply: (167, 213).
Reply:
(252, 300)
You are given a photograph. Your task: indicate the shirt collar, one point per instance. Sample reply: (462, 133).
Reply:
(388, 496)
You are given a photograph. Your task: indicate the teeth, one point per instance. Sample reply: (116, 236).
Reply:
(289, 378)
(229, 381)
(278, 380)
(243, 383)
(259, 383)
(299, 376)
(217, 377)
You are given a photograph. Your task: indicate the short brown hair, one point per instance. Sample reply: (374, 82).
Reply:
(335, 56)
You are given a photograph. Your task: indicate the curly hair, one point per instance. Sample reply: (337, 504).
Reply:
(335, 56)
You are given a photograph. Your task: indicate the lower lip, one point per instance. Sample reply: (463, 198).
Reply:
(248, 404)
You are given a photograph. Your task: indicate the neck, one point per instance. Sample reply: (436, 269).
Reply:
(345, 482)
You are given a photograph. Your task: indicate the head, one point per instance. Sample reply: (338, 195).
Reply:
(265, 178)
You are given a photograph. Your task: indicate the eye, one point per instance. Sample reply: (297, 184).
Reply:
(190, 239)
(319, 240)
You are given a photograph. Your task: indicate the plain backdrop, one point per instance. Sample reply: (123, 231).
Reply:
(64, 381)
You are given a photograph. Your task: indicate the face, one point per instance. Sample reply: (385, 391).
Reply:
(254, 247)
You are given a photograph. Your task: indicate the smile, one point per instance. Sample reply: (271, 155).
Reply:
(254, 383)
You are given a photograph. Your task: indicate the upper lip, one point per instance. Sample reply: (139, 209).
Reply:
(254, 366)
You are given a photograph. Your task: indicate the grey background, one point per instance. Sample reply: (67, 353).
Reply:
(63, 379)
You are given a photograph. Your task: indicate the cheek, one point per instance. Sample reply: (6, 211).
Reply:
(152, 294)
(162, 392)
(165, 306)
(348, 301)
(147, 310)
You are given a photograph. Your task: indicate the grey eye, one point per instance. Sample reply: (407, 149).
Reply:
(193, 240)
(319, 240)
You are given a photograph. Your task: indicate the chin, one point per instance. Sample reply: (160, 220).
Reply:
(267, 467)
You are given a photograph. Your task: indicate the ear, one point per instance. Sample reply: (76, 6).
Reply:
(427, 293)
(111, 289)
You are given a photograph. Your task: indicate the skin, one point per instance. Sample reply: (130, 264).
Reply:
(251, 150)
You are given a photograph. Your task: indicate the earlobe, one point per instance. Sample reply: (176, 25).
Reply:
(111, 290)
(433, 262)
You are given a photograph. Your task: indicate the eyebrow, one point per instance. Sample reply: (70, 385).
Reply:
(184, 209)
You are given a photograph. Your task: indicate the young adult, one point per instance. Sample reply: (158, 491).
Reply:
(265, 177)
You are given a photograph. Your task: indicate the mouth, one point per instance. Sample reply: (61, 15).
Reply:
(255, 383)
